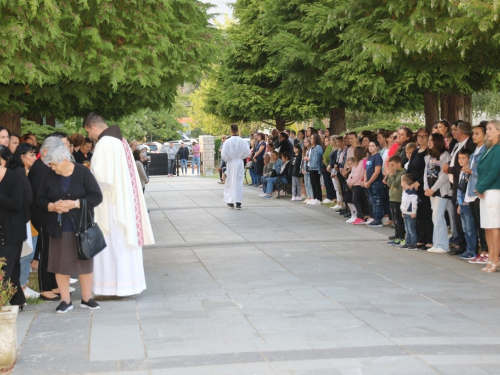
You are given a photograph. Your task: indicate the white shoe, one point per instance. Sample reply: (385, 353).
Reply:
(72, 281)
(302, 197)
(431, 250)
(370, 220)
(293, 198)
(315, 202)
(261, 194)
(438, 250)
(338, 207)
(351, 219)
(71, 289)
(385, 219)
(30, 293)
(325, 201)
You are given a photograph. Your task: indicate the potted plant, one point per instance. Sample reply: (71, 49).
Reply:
(8, 321)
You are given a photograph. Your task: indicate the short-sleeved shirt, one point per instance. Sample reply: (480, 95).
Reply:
(372, 162)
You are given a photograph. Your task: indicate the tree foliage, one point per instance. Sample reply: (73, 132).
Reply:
(68, 57)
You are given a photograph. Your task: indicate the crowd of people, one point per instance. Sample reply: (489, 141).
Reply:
(46, 191)
(438, 189)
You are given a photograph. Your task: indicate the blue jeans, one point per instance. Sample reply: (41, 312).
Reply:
(253, 176)
(26, 264)
(196, 159)
(184, 166)
(309, 188)
(411, 229)
(375, 193)
(440, 236)
(470, 230)
(171, 166)
(271, 181)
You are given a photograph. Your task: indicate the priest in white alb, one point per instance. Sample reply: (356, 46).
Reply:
(234, 152)
(122, 215)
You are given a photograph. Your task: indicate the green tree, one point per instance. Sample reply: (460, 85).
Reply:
(114, 56)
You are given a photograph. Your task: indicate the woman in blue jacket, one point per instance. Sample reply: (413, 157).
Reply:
(315, 160)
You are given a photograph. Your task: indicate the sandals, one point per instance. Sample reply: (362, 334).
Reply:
(491, 267)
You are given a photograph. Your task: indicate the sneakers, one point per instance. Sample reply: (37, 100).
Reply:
(326, 201)
(374, 224)
(370, 220)
(306, 201)
(293, 198)
(392, 238)
(267, 196)
(315, 202)
(480, 259)
(72, 281)
(408, 247)
(431, 250)
(467, 256)
(64, 307)
(338, 207)
(438, 250)
(303, 197)
(398, 242)
(30, 293)
(238, 206)
(230, 205)
(359, 221)
(385, 220)
(90, 304)
(261, 194)
(351, 220)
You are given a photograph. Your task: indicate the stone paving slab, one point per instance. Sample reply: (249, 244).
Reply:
(276, 288)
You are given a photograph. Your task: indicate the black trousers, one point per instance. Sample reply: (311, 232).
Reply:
(476, 214)
(12, 254)
(330, 189)
(46, 279)
(358, 195)
(425, 227)
(460, 230)
(397, 219)
(316, 184)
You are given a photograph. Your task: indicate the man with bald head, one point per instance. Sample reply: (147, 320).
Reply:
(122, 216)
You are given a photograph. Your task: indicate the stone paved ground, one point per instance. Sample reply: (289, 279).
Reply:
(277, 288)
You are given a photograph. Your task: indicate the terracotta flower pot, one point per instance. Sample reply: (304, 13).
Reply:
(8, 335)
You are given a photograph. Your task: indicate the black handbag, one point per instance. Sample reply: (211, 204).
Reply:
(90, 241)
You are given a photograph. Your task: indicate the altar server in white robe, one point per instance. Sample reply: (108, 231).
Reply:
(234, 151)
(122, 215)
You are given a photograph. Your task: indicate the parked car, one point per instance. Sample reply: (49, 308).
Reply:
(154, 147)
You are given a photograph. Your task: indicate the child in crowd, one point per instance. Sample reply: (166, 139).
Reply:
(464, 209)
(396, 172)
(409, 204)
(296, 172)
(448, 139)
(335, 172)
(305, 170)
(410, 147)
(373, 183)
(347, 193)
(355, 181)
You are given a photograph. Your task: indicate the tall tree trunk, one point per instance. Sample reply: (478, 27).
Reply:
(431, 109)
(337, 121)
(467, 113)
(50, 120)
(37, 119)
(280, 124)
(11, 121)
(447, 108)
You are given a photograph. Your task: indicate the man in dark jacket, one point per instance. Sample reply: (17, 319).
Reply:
(461, 131)
(183, 157)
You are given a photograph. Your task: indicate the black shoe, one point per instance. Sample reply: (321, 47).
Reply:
(230, 205)
(342, 212)
(56, 298)
(392, 238)
(347, 215)
(63, 307)
(238, 206)
(90, 304)
(458, 251)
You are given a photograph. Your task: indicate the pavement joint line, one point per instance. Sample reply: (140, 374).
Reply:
(89, 347)
(19, 350)
(140, 329)
(228, 296)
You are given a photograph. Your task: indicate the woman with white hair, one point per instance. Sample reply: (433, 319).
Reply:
(61, 195)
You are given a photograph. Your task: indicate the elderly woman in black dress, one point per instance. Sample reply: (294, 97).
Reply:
(61, 195)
